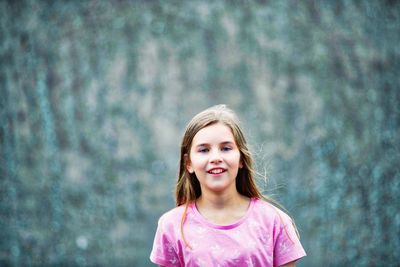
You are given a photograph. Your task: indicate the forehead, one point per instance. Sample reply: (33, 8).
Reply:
(215, 133)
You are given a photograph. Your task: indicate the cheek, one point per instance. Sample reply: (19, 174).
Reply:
(238, 160)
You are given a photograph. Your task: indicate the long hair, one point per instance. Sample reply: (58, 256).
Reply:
(188, 187)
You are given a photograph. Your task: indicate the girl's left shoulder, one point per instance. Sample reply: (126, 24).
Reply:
(270, 212)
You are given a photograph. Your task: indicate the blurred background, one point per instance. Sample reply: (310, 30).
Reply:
(95, 96)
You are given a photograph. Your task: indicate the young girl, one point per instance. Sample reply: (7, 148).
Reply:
(221, 218)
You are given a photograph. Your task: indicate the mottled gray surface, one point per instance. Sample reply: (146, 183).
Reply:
(94, 97)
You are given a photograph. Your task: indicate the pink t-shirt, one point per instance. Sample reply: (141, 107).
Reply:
(264, 237)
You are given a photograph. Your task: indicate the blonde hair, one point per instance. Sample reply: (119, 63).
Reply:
(188, 187)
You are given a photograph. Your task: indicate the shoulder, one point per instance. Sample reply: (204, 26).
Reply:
(273, 214)
(172, 214)
(171, 217)
(287, 246)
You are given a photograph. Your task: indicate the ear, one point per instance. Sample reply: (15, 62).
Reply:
(240, 164)
(188, 164)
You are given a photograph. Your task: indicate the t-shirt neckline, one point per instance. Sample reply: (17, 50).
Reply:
(203, 220)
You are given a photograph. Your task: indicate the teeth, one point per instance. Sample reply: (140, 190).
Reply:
(216, 171)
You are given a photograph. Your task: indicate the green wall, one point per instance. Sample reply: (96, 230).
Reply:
(94, 97)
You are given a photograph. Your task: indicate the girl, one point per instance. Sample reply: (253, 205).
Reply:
(221, 218)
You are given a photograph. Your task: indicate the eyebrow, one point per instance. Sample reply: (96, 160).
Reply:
(222, 143)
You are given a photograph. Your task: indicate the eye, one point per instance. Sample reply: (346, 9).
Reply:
(203, 150)
(226, 148)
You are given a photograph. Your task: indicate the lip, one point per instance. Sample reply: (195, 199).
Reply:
(220, 171)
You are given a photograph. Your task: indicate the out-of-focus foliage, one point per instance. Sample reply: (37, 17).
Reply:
(95, 94)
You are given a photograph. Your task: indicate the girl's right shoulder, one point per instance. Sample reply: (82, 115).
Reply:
(172, 216)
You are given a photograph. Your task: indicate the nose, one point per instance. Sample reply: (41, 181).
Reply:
(215, 156)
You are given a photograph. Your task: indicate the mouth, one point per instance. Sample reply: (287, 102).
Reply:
(216, 171)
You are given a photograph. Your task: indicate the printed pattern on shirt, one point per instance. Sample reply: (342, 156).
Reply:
(263, 238)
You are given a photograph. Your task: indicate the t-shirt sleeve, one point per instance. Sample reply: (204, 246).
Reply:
(287, 244)
(163, 252)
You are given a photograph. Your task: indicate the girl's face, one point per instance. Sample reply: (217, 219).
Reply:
(215, 159)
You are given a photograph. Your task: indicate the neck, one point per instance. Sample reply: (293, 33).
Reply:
(220, 201)
(223, 209)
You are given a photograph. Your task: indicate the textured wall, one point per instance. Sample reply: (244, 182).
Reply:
(94, 97)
